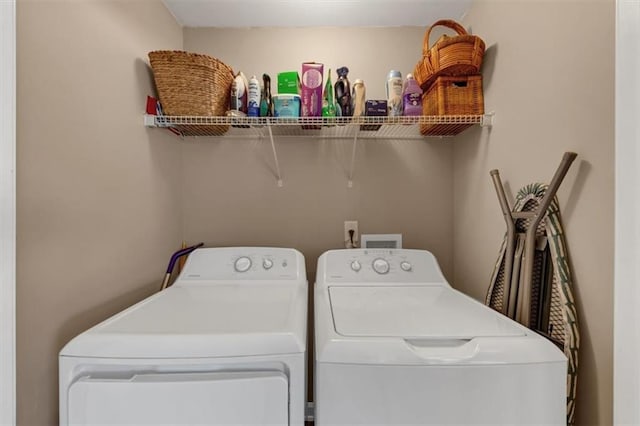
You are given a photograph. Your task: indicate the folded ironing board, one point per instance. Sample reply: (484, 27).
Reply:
(531, 281)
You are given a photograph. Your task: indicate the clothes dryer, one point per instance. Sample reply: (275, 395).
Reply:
(226, 344)
(395, 344)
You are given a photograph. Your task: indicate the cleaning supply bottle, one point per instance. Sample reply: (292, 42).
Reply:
(411, 97)
(343, 93)
(239, 94)
(394, 93)
(328, 103)
(358, 97)
(266, 102)
(253, 98)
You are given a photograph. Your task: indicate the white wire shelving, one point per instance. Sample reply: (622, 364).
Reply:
(355, 128)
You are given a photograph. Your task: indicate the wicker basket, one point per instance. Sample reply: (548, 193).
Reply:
(449, 56)
(452, 96)
(190, 84)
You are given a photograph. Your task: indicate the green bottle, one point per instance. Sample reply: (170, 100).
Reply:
(328, 103)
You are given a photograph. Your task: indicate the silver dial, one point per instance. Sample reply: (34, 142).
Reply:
(356, 266)
(267, 263)
(405, 266)
(242, 264)
(380, 265)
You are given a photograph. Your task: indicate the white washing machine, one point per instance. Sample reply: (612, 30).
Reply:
(225, 345)
(397, 345)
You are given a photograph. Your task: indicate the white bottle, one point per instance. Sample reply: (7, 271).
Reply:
(239, 95)
(394, 93)
(253, 100)
(358, 98)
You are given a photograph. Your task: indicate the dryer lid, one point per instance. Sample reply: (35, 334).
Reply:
(226, 320)
(421, 312)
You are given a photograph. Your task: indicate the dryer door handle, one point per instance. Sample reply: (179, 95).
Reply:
(444, 351)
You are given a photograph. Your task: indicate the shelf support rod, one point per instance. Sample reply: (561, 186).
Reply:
(275, 156)
(353, 158)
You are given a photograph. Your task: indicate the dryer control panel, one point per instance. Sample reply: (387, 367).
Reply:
(355, 266)
(243, 264)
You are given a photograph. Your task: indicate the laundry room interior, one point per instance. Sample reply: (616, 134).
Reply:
(103, 200)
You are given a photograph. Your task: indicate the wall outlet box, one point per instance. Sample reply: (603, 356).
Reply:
(373, 241)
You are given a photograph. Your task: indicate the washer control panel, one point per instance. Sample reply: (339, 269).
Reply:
(244, 263)
(379, 265)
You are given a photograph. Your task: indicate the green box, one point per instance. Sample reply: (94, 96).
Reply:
(288, 83)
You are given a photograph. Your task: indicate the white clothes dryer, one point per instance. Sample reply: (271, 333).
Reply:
(395, 344)
(226, 344)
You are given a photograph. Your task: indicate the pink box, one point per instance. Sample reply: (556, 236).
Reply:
(312, 75)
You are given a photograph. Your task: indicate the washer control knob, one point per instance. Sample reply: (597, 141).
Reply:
(356, 266)
(242, 264)
(405, 266)
(380, 265)
(267, 263)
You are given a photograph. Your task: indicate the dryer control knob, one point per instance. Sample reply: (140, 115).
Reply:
(242, 264)
(356, 266)
(380, 265)
(267, 263)
(405, 266)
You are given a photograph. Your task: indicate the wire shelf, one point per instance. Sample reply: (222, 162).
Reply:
(354, 128)
(405, 127)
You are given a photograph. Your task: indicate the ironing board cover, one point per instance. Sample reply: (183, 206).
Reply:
(563, 324)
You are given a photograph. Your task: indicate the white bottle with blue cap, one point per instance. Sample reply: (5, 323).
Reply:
(394, 93)
(253, 109)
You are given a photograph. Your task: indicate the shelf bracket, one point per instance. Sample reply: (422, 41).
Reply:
(487, 119)
(353, 158)
(275, 157)
(150, 120)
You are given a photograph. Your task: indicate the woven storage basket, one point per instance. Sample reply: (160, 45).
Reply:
(452, 96)
(449, 56)
(191, 84)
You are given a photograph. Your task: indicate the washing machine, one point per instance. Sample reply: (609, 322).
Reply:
(225, 345)
(395, 344)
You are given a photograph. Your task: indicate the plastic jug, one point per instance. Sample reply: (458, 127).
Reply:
(394, 93)
(411, 97)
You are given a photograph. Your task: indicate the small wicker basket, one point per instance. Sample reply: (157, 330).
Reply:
(449, 56)
(191, 84)
(452, 96)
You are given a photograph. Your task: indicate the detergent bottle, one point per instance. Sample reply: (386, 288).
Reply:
(411, 97)
(343, 93)
(358, 98)
(394, 93)
(239, 94)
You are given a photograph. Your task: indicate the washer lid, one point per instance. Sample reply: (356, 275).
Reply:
(225, 320)
(414, 312)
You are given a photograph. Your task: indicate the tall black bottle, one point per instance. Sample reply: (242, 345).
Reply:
(266, 103)
(343, 92)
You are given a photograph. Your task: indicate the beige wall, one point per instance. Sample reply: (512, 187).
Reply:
(230, 193)
(549, 75)
(98, 195)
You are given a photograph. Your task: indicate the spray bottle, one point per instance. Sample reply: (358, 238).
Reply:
(328, 104)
